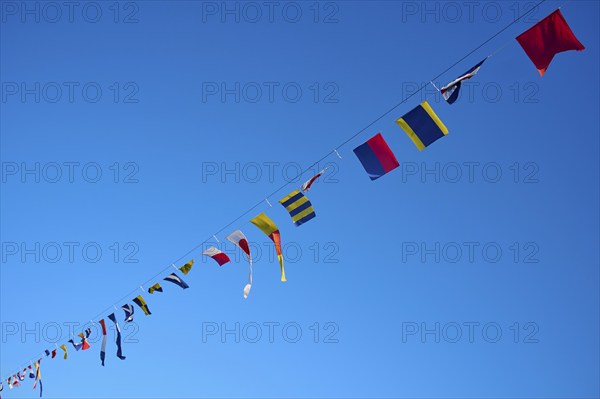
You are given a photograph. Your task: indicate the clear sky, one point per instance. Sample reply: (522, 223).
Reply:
(133, 131)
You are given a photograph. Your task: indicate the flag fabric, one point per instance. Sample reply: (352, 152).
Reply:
(20, 376)
(239, 239)
(129, 310)
(38, 376)
(220, 257)
(76, 345)
(119, 349)
(422, 125)
(450, 91)
(306, 186)
(175, 279)
(185, 269)
(550, 36)
(139, 300)
(47, 352)
(376, 157)
(64, 348)
(85, 344)
(156, 287)
(103, 348)
(31, 375)
(53, 353)
(9, 382)
(267, 226)
(299, 207)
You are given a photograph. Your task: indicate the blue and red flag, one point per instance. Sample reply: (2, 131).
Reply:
(376, 157)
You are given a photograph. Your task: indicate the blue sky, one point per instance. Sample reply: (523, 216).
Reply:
(131, 132)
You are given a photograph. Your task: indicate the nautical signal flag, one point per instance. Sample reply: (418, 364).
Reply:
(376, 157)
(38, 376)
(113, 318)
(267, 226)
(239, 239)
(84, 342)
(139, 300)
(306, 186)
(175, 279)
(220, 257)
(64, 348)
(185, 269)
(422, 125)
(450, 91)
(103, 348)
(156, 287)
(76, 345)
(550, 36)
(298, 206)
(129, 310)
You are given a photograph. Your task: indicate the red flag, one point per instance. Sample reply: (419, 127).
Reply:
(550, 36)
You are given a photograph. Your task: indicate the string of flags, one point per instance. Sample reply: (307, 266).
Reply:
(541, 43)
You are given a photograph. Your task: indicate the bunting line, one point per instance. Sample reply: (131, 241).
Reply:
(277, 190)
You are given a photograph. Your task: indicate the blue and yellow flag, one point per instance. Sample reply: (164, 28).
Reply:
(156, 287)
(299, 207)
(422, 125)
(138, 300)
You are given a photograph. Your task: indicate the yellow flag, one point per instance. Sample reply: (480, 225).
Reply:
(155, 287)
(185, 269)
(267, 226)
(64, 347)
